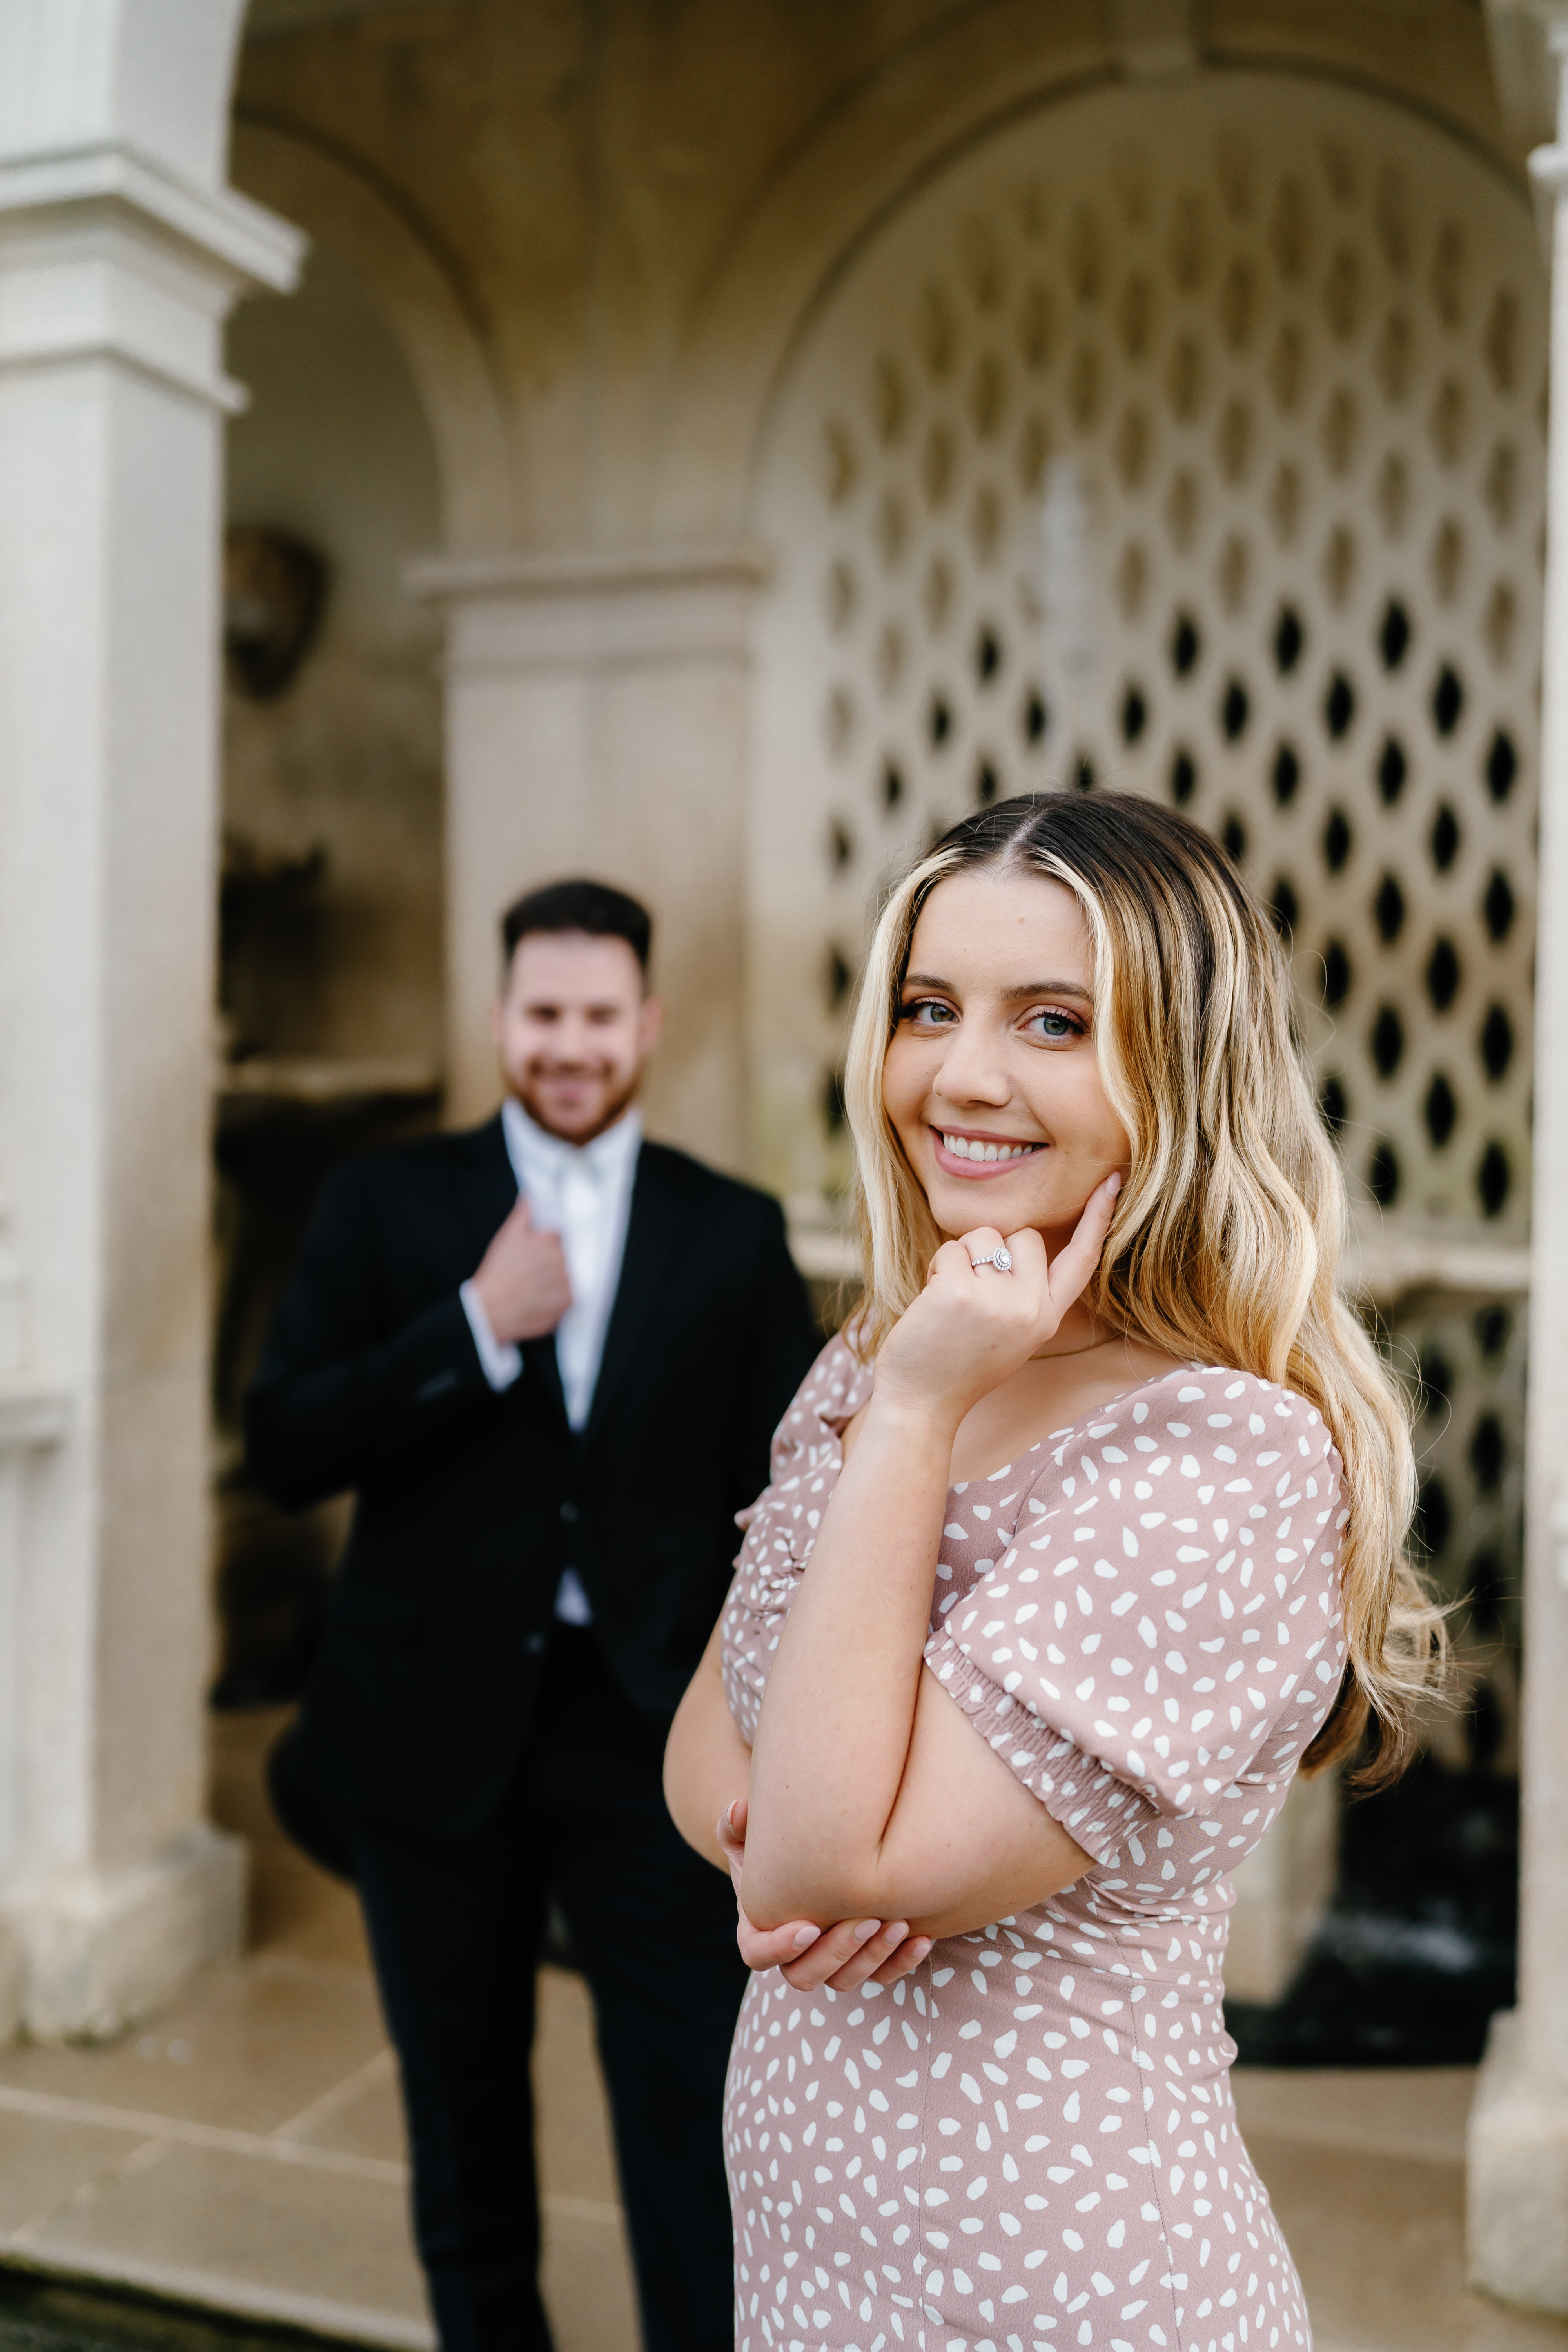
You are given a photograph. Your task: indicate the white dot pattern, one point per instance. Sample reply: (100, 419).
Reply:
(1030, 2142)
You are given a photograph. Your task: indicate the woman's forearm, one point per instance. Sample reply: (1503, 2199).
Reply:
(837, 1721)
(706, 1764)
(968, 1842)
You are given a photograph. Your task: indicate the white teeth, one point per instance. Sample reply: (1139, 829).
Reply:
(962, 1148)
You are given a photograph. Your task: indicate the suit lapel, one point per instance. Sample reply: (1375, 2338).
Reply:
(652, 1232)
(487, 1185)
(539, 1365)
(490, 1196)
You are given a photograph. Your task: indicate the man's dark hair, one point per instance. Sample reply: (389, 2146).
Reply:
(603, 912)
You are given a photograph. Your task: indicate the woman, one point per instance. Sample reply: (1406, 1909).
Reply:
(1106, 1474)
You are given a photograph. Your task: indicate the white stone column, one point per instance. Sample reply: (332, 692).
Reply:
(1518, 2126)
(597, 714)
(33, 1423)
(117, 269)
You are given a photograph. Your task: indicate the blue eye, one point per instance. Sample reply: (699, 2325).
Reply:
(1058, 1027)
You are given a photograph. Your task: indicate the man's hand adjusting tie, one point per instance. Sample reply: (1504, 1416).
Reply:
(521, 1282)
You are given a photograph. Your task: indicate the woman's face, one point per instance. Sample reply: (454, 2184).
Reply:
(990, 1080)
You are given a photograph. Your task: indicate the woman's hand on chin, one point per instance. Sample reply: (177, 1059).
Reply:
(806, 1957)
(972, 1327)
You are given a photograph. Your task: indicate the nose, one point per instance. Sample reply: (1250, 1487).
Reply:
(568, 1046)
(974, 1068)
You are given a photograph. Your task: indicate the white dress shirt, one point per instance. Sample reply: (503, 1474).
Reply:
(584, 1192)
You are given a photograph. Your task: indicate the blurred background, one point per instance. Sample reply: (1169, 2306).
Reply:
(715, 446)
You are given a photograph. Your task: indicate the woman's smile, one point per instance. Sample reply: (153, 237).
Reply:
(970, 1152)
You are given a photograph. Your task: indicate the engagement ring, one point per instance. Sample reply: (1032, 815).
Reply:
(1001, 1257)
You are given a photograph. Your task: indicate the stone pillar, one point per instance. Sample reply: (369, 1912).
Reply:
(33, 1421)
(117, 268)
(1519, 2124)
(597, 715)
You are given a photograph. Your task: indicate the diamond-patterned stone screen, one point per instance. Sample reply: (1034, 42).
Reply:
(1191, 444)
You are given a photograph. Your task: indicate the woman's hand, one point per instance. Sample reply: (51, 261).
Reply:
(971, 1327)
(841, 1957)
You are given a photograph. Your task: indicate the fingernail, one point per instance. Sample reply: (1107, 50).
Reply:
(866, 1930)
(1115, 1186)
(805, 1936)
(730, 1811)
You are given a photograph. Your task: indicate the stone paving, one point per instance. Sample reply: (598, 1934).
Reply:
(245, 2151)
(43, 2315)
(243, 2155)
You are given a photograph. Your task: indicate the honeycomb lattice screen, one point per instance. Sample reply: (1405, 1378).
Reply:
(1193, 445)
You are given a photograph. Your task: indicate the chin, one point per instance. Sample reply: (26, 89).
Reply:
(959, 1207)
(564, 1120)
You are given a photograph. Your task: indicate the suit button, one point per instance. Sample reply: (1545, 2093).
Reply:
(535, 1644)
(571, 1513)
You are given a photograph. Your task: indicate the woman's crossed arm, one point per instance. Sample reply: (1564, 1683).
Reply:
(707, 1772)
(869, 1792)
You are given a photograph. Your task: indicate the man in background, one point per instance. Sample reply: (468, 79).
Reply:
(548, 1357)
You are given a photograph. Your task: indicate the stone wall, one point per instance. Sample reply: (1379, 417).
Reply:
(346, 760)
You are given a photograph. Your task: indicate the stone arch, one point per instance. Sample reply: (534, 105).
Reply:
(1327, 404)
(439, 342)
(946, 90)
(1201, 451)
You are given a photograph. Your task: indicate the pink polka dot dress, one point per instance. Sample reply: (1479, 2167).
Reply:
(1030, 2142)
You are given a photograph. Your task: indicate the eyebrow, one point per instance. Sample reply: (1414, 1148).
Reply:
(547, 1004)
(1028, 988)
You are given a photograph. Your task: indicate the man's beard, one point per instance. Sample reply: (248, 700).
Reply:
(616, 1104)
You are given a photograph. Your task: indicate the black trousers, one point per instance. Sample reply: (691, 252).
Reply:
(455, 1931)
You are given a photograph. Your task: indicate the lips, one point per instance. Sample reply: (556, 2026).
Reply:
(975, 1155)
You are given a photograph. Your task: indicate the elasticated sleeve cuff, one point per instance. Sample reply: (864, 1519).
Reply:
(1096, 1809)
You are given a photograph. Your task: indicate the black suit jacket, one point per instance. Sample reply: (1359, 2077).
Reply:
(470, 1504)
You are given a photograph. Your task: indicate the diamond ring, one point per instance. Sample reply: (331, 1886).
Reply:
(1001, 1257)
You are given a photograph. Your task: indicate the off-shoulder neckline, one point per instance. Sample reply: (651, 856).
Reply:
(1053, 1437)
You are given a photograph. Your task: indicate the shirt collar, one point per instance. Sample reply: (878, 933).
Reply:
(540, 1160)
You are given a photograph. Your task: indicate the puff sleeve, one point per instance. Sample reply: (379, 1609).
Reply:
(1159, 1618)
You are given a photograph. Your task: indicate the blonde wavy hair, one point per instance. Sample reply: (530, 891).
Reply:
(1228, 1235)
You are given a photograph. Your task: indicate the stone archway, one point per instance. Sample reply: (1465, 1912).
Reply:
(1209, 461)
(444, 353)
(1198, 451)
(948, 87)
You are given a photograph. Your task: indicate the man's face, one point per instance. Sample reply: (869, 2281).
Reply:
(573, 1030)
